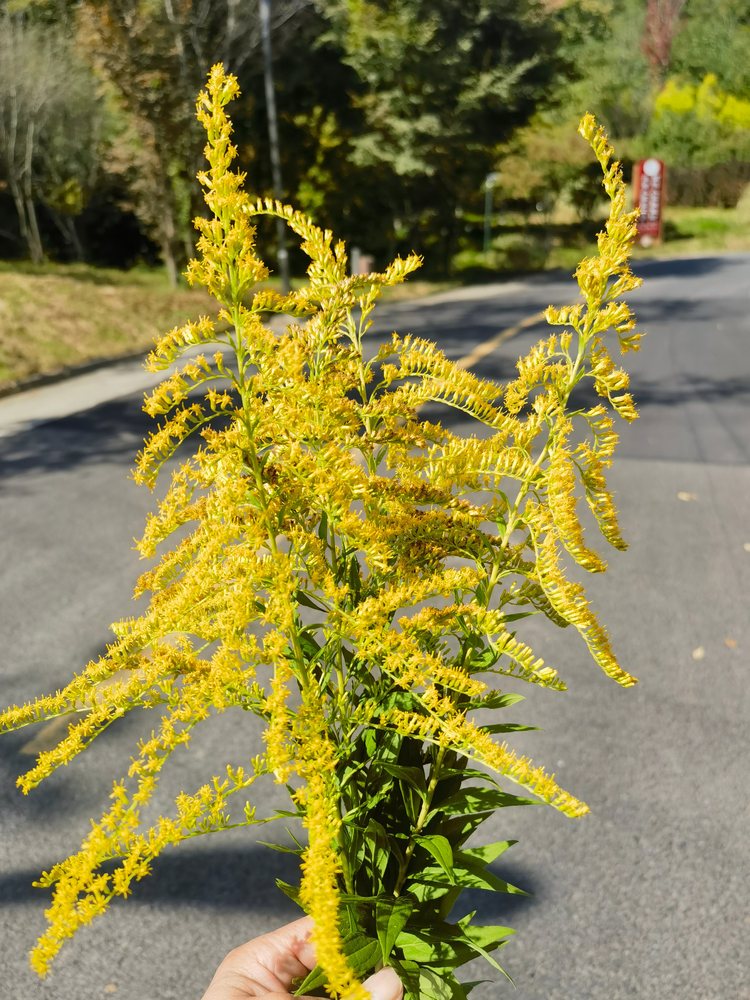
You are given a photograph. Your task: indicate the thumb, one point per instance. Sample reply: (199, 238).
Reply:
(384, 985)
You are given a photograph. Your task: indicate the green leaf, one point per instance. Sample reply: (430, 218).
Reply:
(466, 873)
(403, 700)
(349, 771)
(439, 847)
(432, 892)
(472, 800)
(310, 647)
(485, 939)
(434, 987)
(508, 727)
(370, 901)
(292, 891)
(302, 597)
(362, 953)
(477, 868)
(497, 699)
(421, 948)
(472, 985)
(488, 853)
(281, 848)
(443, 952)
(377, 846)
(413, 776)
(482, 661)
(446, 773)
(445, 947)
(408, 973)
(459, 828)
(489, 936)
(355, 578)
(412, 800)
(390, 919)
(382, 745)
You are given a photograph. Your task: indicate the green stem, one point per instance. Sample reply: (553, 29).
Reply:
(421, 820)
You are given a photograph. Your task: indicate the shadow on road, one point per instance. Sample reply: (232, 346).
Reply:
(686, 267)
(245, 879)
(110, 433)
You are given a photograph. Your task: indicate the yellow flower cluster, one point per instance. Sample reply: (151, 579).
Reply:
(321, 863)
(337, 552)
(446, 727)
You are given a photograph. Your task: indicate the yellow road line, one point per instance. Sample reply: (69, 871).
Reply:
(53, 731)
(47, 737)
(488, 346)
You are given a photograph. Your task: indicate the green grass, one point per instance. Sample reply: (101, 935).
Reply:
(56, 316)
(536, 244)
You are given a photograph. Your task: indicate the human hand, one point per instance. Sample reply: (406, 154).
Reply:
(266, 966)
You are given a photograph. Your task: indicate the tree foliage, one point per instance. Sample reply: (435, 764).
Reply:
(439, 86)
(52, 126)
(391, 112)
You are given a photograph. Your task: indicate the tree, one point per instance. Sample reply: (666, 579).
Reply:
(601, 42)
(699, 125)
(155, 54)
(660, 27)
(51, 121)
(439, 85)
(715, 38)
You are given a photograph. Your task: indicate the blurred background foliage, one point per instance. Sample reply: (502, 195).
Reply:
(392, 114)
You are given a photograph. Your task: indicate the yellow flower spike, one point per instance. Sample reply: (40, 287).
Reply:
(319, 892)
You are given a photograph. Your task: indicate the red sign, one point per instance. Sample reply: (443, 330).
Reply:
(648, 195)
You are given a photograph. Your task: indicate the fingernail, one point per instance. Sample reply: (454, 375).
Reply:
(385, 985)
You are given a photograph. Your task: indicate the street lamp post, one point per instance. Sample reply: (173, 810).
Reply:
(489, 186)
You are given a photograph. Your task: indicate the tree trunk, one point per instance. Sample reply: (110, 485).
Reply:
(36, 250)
(170, 261)
(27, 222)
(69, 232)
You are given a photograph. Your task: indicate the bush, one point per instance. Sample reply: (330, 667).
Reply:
(721, 185)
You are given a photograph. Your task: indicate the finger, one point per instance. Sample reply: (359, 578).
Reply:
(267, 964)
(384, 985)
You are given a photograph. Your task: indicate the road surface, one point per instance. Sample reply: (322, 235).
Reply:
(647, 897)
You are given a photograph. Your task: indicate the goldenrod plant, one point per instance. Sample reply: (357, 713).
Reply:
(354, 574)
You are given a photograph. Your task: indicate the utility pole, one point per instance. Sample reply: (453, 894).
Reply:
(273, 138)
(489, 185)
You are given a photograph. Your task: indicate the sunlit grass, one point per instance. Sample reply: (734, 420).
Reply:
(53, 316)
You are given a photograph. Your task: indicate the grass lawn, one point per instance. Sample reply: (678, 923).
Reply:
(523, 243)
(53, 316)
(687, 232)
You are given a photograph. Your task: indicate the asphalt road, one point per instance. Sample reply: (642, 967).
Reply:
(647, 897)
